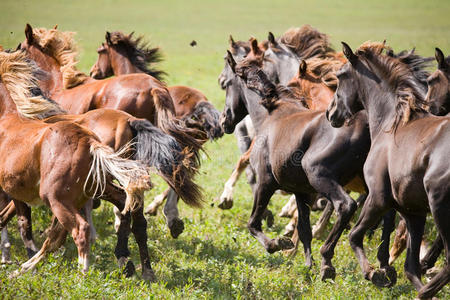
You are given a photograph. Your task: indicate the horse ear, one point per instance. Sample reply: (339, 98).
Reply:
(108, 38)
(55, 27)
(131, 35)
(254, 46)
(442, 65)
(231, 61)
(302, 69)
(231, 41)
(29, 33)
(352, 58)
(271, 39)
(18, 47)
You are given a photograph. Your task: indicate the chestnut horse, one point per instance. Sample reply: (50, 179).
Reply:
(56, 164)
(407, 166)
(122, 54)
(299, 152)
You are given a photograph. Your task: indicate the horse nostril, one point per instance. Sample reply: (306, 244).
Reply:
(327, 115)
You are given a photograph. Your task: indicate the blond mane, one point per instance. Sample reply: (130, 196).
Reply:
(62, 47)
(307, 42)
(16, 73)
(325, 70)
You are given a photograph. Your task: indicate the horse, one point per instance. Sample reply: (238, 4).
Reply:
(123, 54)
(298, 151)
(58, 164)
(438, 95)
(406, 168)
(55, 52)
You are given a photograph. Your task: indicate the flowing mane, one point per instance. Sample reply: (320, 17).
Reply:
(307, 42)
(325, 70)
(139, 52)
(62, 47)
(405, 74)
(17, 74)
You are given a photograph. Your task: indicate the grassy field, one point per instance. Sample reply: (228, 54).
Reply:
(215, 257)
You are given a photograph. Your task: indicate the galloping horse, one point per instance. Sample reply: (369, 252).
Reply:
(55, 52)
(407, 166)
(297, 151)
(57, 164)
(122, 54)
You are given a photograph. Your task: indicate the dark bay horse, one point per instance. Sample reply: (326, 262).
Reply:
(296, 150)
(56, 164)
(407, 166)
(438, 96)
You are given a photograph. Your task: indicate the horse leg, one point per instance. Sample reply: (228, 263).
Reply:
(432, 255)
(7, 214)
(304, 226)
(226, 199)
(290, 227)
(175, 224)
(23, 212)
(399, 244)
(415, 225)
(440, 206)
(122, 225)
(344, 206)
(263, 193)
(289, 208)
(324, 219)
(383, 249)
(88, 213)
(55, 238)
(370, 214)
(5, 247)
(152, 208)
(139, 229)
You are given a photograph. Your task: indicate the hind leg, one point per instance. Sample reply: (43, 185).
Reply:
(88, 214)
(371, 212)
(139, 230)
(415, 225)
(152, 208)
(5, 247)
(175, 224)
(399, 244)
(23, 212)
(56, 237)
(304, 226)
(226, 199)
(321, 225)
(432, 255)
(439, 208)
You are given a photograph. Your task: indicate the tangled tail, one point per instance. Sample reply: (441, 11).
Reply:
(187, 137)
(133, 176)
(164, 153)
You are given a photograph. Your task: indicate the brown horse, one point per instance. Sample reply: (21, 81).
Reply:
(123, 54)
(407, 166)
(141, 95)
(56, 164)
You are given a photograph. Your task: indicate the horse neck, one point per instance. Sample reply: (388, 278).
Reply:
(380, 104)
(257, 112)
(7, 105)
(121, 64)
(52, 82)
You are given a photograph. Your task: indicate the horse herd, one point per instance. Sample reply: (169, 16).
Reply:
(310, 121)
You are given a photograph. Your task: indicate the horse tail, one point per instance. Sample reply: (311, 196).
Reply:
(188, 138)
(163, 152)
(209, 118)
(133, 176)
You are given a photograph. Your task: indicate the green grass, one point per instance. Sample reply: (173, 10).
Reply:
(215, 257)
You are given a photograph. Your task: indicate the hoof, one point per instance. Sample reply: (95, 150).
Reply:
(281, 243)
(226, 204)
(176, 227)
(129, 269)
(288, 231)
(151, 210)
(327, 272)
(148, 275)
(268, 215)
(380, 277)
